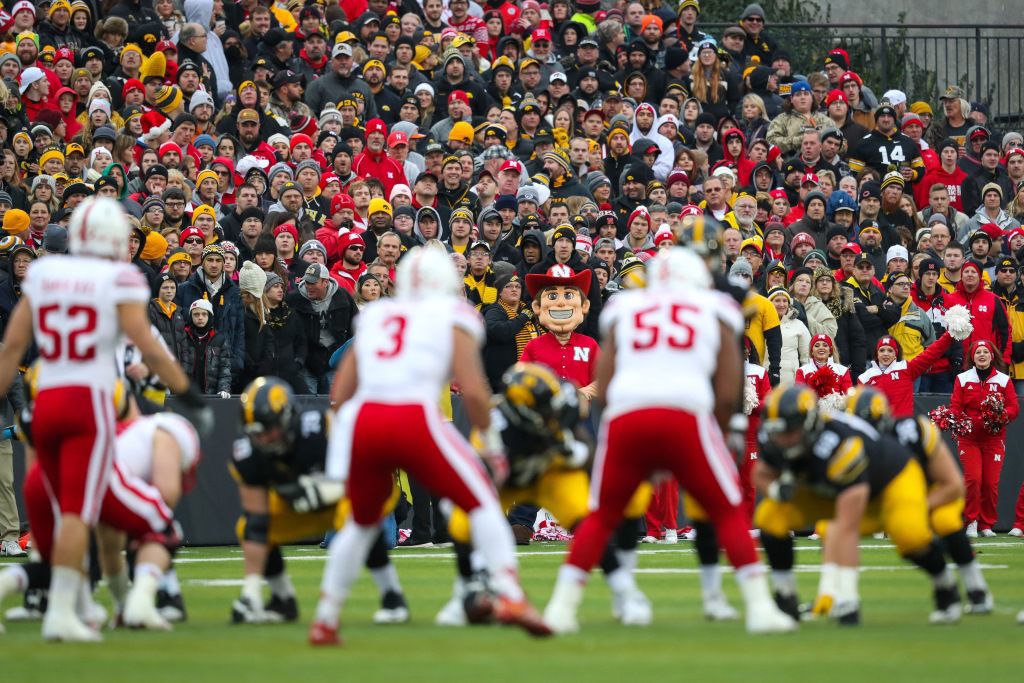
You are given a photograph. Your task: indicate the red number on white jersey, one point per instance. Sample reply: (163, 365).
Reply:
(54, 345)
(395, 328)
(679, 333)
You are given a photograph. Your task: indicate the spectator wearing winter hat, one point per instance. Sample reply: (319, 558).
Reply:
(907, 323)
(988, 314)
(209, 282)
(815, 220)
(510, 326)
(786, 129)
(204, 352)
(989, 172)
(258, 359)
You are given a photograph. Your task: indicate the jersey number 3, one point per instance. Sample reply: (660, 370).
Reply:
(678, 333)
(67, 344)
(394, 331)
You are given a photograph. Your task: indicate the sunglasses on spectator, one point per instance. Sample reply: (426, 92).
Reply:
(755, 20)
(1008, 270)
(194, 240)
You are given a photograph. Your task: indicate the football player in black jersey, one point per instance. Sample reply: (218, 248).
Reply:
(945, 487)
(278, 463)
(821, 465)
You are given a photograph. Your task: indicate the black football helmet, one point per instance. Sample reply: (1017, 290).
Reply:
(703, 234)
(870, 405)
(267, 402)
(789, 409)
(537, 401)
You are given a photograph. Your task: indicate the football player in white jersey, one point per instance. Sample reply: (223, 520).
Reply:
(405, 350)
(670, 379)
(77, 307)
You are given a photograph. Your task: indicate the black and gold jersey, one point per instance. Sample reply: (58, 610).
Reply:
(306, 455)
(920, 437)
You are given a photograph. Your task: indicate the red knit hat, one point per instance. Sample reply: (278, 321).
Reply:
(637, 212)
(342, 201)
(891, 343)
(822, 338)
(300, 137)
(289, 228)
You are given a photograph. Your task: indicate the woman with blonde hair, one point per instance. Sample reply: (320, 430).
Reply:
(754, 117)
(259, 342)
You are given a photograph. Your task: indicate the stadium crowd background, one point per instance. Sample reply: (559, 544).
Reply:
(277, 161)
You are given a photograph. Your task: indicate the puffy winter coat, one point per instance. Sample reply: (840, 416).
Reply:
(796, 340)
(207, 360)
(819, 319)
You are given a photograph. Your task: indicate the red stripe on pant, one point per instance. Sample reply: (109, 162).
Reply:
(747, 459)
(691, 447)
(981, 456)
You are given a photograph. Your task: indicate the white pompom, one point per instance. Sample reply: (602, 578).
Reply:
(958, 322)
(834, 402)
(750, 399)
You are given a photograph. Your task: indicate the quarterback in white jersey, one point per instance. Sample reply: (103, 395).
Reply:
(77, 308)
(670, 375)
(388, 387)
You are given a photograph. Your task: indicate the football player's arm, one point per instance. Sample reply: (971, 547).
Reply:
(944, 473)
(346, 379)
(468, 373)
(728, 378)
(136, 326)
(844, 529)
(17, 339)
(773, 345)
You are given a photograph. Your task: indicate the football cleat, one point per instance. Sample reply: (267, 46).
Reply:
(322, 635)
(717, 607)
(633, 608)
(244, 611)
(393, 609)
(171, 607)
(788, 604)
(12, 549)
(139, 613)
(522, 614)
(560, 614)
(478, 605)
(68, 629)
(979, 602)
(947, 606)
(764, 616)
(33, 606)
(453, 613)
(847, 613)
(281, 610)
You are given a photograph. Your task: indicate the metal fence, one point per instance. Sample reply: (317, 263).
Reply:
(921, 60)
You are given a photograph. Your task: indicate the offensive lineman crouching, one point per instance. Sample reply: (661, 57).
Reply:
(278, 464)
(816, 465)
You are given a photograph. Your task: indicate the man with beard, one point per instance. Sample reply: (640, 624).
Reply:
(286, 98)
(453, 77)
(340, 83)
(620, 156)
(885, 146)
(211, 283)
(313, 56)
(388, 103)
(564, 183)
(249, 125)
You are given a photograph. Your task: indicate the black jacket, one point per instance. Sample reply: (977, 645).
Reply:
(171, 328)
(337, 320)
(259, 350)
(500, 351)
(290, 349)
(207, 360)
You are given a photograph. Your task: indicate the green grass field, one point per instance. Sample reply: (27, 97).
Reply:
(894, 643)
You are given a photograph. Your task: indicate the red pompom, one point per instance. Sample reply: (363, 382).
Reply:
(948, 420)
(993, 413)
(824, 381)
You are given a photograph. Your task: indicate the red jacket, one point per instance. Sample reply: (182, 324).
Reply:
(969, 391)
(807, 371)
(988, 315)
(758, 376)
(380, 166)
(952, 181)
(897, 381)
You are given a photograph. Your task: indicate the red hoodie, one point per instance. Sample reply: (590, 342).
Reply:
(952, 181)
(70, 122)
(988, 315)
(744, 166)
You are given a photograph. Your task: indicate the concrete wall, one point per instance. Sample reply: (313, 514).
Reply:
(936, 11)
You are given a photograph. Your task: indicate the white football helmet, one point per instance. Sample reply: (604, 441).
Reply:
(424, 273)
(98, 227)
(677, 268)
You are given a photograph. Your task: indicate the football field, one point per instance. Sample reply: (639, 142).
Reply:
(894, 643)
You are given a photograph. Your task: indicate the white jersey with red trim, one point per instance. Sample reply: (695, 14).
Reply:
(666, 347)
(134, 446)
(404, 347)
(74, 304)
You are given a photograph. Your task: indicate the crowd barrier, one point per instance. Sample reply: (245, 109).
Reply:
(208, 514)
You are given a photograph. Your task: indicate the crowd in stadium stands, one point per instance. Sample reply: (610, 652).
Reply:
(276, 162)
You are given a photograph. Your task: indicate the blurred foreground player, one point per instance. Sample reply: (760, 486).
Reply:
(405, 350)
(77, 307)
(669, 421)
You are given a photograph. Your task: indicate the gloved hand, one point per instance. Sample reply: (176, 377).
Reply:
(783, 488)
(493, 451)
(224, 394)
(196, 411)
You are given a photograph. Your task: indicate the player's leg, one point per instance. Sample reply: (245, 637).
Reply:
(970, 461)
(993, 454)
(716, 606)
(618, 470)
(704, 467)
(84, 454)
(393, 608)
(904, 513)
(454, 612)
(947, 523)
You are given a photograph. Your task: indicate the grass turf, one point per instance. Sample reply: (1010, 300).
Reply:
(894, 643)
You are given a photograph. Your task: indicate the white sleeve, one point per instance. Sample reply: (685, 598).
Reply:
(129, 285)
(728, 311)
(467, 318)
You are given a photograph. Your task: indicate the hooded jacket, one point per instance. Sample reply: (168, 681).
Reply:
(200, 12)
(442, 226)
(326, 324)
(744, 166)
(666, 158)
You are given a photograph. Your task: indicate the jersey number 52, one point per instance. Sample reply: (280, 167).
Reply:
(74, 342)
(676, 331)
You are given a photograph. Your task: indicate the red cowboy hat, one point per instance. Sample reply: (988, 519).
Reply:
(558, 276)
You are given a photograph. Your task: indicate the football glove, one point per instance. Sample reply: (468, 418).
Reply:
(311, 493)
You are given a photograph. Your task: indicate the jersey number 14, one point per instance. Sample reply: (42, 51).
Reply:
(889, 157)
